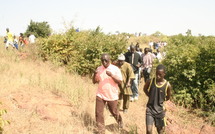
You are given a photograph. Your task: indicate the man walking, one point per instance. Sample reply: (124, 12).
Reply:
(147, 64)
(108, 78)
(9, 39)
(158, 90)
(125, 87)
(135, 61)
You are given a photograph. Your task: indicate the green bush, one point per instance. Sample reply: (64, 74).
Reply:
(81, 51)
(190, 62)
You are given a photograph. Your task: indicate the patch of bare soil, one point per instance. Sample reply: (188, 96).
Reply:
(38, 112)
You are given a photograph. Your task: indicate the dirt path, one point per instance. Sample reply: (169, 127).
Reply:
(40, 112)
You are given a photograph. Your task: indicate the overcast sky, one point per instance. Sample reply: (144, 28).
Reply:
(146, 16)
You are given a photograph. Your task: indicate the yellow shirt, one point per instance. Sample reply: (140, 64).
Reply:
(9, 36)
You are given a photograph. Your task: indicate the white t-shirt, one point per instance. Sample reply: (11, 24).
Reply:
(32, 38)
(151, 44)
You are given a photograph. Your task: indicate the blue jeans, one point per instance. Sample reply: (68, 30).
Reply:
(134, 86)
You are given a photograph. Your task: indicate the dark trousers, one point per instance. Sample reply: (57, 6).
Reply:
(146, 74)
(112, 106)
(124, 100)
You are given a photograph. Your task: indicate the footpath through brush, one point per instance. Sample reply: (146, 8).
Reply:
(40, 99)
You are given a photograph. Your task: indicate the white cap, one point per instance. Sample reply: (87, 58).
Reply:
(121, 57)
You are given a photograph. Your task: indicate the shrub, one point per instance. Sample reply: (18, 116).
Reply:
(81, 51)
(190, 62)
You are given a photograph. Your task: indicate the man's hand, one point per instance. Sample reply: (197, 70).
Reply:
(128, 85)
(95, 78)
(109, 73)
(138, 65)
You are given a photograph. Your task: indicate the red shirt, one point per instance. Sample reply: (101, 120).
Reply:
(108, 88)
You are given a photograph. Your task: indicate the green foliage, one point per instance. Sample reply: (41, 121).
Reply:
(81, 51)
(190, 62)
(39, 29)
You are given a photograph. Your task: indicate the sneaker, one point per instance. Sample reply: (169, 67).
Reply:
(136, 98)
(131, 99)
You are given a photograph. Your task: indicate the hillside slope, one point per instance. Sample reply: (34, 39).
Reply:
(41, 98)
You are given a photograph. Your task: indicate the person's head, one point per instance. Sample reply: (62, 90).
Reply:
(146, 50)
(160, 72)
(132, 48)
(141, 50)
(105, 59)
(150, 50)
(21, 34)
(138, 49)
(137, 45)
(7, 29)
(121, 60)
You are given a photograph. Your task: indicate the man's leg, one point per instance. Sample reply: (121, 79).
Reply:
(112, 105)
(160, 125)
(6, 45)
(135, 87)
(145, 74)
(149, 123)
(149, 129)
(99, 115)
(160, 130)
(120, 101)
(126, 102)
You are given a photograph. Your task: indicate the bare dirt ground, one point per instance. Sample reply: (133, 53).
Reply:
(33, 111)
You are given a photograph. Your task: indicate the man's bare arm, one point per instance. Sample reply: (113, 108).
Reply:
(114, 77)
(146, 86)
(169, 88)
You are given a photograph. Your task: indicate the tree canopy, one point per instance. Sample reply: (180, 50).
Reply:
(39, 29)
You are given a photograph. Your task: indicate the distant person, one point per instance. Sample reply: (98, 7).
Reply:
(158, 90)
(159, 55)
(77, 30)
(15, 42)
(135, 61)
(21, 40)
(151, 44)
(125, 87)
(9, 39)
(147, 64)
(153, 54)
(31, 39)
(137, 46)
(139, 52)
(140, 69)
(108, 78)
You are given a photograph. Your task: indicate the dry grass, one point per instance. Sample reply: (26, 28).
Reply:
(20, 74)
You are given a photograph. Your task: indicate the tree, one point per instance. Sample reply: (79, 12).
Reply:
(189, 33)
(39, 29)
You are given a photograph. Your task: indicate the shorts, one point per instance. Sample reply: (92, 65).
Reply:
(159, 122)
(9, 43)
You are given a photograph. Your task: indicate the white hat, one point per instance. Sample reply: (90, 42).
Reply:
(121, 57)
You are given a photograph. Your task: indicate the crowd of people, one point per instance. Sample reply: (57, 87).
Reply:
(21, 41)
(125, 75)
